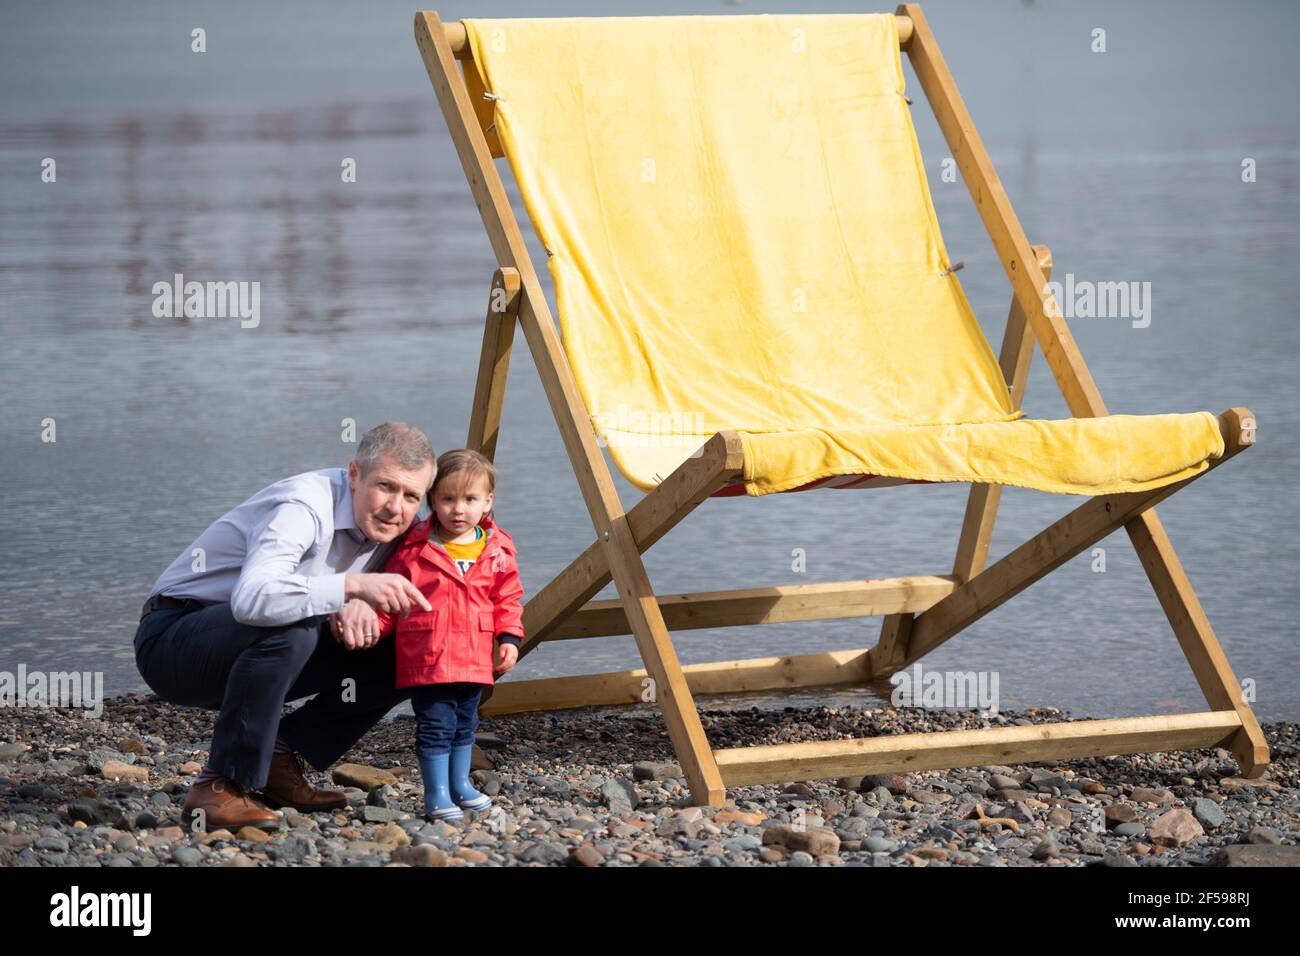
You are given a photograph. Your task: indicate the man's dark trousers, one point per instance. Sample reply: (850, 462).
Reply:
(200, 656)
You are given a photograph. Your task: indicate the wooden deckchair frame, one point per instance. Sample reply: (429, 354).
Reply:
(920, 612)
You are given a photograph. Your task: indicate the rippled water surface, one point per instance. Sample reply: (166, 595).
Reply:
(226, 165)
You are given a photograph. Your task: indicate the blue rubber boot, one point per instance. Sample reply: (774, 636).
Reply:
(437, 799)
(461, 789)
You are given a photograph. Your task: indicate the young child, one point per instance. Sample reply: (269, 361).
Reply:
(465, 566)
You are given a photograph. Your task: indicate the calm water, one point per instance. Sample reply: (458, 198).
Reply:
(226, 166)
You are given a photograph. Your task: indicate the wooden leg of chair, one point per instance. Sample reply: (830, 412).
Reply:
(1201, 648)
(494, 362)
(891, 650)
(669, 686)
(982, 504)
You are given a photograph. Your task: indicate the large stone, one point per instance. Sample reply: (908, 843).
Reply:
(723, 817)
(1175, 827)
(186, 856)
(392, 835)
(814, 841)
(1208, 813)
(94, 812)
(117, 770)
(656, 770)
(1013, 794)
(1152, 795)
(422, 855)
(678, 825)
(545, 853)
(380, 814)
(1045, 780)
(1263, 835)
(619, 796)
(585, 855)
(99, 756)
(359, 775)
(1059, 817)
(1118, 813)
(1020, 811)
(895, 783)
(1046, 850)
(1250, 854)
(930, 798)
(552, 786)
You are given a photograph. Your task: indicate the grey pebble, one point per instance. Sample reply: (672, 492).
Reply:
(186, 855)
(1207, 812)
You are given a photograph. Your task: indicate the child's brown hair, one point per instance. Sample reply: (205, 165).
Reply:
(462, 461)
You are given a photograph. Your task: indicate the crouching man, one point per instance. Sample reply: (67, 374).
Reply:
(275, 601)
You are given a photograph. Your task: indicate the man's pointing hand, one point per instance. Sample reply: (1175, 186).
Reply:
(390, 593)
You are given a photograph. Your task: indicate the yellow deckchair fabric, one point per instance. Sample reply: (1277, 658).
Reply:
(741, 236)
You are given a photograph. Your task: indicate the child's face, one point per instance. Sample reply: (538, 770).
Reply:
(461, 501)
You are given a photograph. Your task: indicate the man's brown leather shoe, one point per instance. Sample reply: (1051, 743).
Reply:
(287, 785)
(227, 804)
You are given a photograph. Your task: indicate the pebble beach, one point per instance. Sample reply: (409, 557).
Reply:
(600, 788)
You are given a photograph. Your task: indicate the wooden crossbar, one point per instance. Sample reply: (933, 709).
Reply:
(615, 688)
(771, 605)
(901, 753)
(458, 39)
(920, 612)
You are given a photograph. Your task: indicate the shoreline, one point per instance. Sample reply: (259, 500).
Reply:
(599, 786)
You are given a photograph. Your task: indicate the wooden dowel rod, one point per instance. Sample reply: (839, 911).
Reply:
(459, 44)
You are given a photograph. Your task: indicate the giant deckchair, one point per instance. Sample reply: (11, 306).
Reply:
(755, 298)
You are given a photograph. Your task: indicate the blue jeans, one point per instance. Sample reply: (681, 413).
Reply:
(446, 716)
(200, 656)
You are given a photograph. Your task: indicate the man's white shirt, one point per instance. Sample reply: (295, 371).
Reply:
(279, 557)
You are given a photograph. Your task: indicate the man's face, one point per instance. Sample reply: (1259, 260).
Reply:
(385, 501)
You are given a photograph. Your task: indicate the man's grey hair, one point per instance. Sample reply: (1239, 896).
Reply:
(405, 444)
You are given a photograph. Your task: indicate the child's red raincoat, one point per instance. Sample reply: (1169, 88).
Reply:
(453, 642)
